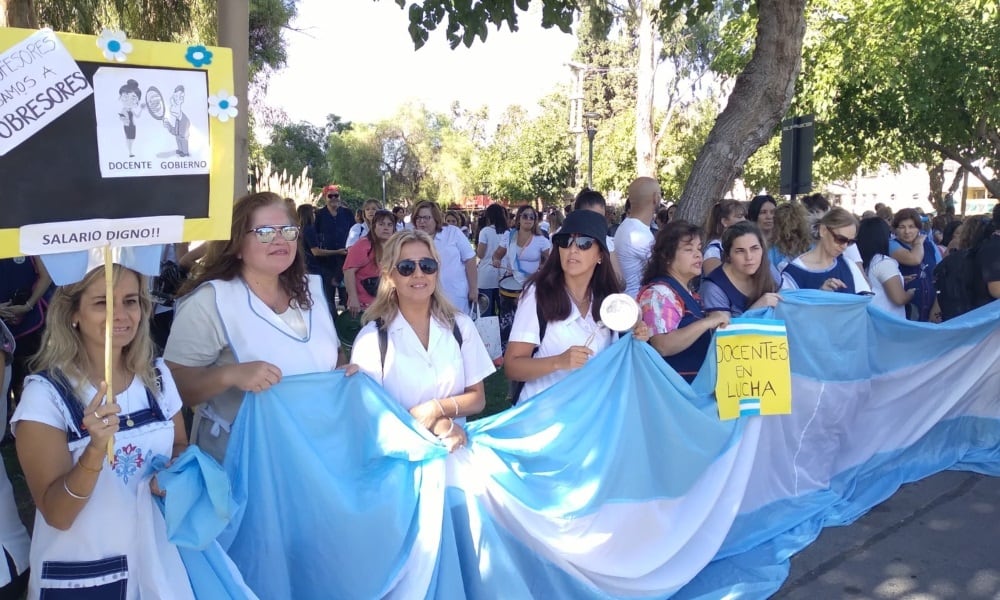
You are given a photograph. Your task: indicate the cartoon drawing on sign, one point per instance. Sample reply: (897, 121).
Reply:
(177, 123)
(177, 98)
(131, 98)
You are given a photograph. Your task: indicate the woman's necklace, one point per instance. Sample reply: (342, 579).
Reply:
(122, 382)
(581, 305)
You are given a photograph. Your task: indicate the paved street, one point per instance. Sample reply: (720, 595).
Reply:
(933, 540)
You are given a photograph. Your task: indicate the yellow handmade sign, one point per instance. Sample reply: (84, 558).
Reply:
(110, 141)
(753, 373)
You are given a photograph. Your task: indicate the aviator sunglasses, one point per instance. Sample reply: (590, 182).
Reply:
(266, 233)
(583, 242)
(841, 240)
(407, 267)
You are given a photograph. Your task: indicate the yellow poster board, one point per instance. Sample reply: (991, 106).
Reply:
(754, 377)
(106, 140)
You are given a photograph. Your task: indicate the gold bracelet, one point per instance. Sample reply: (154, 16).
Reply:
(86, 468)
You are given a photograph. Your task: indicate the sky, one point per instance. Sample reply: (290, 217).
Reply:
(354, 58)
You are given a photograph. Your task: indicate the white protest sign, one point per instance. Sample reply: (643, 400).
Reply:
(39, 81)
(71, 236)
(152, 122)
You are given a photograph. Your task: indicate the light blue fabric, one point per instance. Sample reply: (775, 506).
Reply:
(342, 494)
(69, 267)
(196, 508)
(199, 501)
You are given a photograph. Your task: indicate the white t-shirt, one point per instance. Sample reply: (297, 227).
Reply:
(853, 255)
(414, 374)
(489, 276)
(358, 231)
(454, 249)
(523, 261)
(882, 269)
(860, 283)
(713, 249)
(559, 336)
(633, 245)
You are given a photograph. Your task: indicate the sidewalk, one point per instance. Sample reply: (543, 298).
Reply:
(935, 539)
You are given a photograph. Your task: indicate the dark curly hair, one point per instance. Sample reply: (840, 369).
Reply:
(222, 258)
(665, 247)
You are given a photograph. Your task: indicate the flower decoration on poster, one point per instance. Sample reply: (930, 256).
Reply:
(222, 106)
(199, 56)
(114, 45)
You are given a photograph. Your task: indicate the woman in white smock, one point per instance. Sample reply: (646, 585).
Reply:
(425, 353)
(96, 534)
(254, 316)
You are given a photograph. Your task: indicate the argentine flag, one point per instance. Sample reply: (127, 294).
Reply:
(618, 482)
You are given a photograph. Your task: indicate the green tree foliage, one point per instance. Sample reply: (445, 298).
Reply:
(530, 159)
(895, 82)
(296, 146)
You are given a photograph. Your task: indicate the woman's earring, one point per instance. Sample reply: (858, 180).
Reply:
(75, 325)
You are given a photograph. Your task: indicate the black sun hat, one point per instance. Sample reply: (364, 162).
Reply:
(584, 222)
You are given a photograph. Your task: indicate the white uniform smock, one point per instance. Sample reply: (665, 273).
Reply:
(116, 547)
(575, 330)
(414, 374)
(224, 323)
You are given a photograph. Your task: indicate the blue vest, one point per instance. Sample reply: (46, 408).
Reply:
(688, 361)
(737, 301)
(923, 283)
(808, 280)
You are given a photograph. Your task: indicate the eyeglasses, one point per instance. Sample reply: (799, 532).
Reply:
(332, 196)
(422, 218)
(528, 217)
(266, 233)
(583, 242)
(841, 240)
(407, 267)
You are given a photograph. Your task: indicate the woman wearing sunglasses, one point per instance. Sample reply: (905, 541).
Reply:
(556, 328)
(524, 248)
(251, 316)
(425, 353)
(681, 329)
(824, 267)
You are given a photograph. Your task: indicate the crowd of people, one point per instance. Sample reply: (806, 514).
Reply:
(268, 303)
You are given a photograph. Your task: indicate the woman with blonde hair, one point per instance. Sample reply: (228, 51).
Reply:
(86, 536)
(459, 276)
(248, 318)
(824, 267)
(791, 236)
(365, 215)
(425, 353)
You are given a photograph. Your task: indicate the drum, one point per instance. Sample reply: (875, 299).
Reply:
(510, 293)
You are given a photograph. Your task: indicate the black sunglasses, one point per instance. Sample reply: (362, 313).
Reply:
(583, 242)
(407, 267)
(841, 240)
(332, 196)
(266, 233)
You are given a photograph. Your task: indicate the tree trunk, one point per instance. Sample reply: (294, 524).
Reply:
(760, 98)
(18, 13)
(936, 196)
(645, 156)
(234, 32)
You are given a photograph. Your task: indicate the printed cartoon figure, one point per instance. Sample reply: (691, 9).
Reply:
(130, 96)
(177, 123)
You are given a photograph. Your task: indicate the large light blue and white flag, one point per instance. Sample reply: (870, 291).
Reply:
(618, 482)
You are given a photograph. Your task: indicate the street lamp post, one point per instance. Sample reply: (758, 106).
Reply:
(383, 170)
(591, 132)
